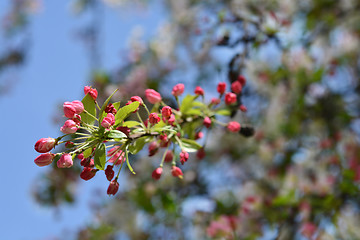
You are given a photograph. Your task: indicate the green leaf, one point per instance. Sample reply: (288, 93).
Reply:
(87, 152)
(89, 106)
(116, 105)
(100, 156)
(138, 144)
(194, 111)
(224, 112)
(125, 111)
(285, 200)
(101, 115)
(187, 103)
(116, 134)
(131, 124)
(189, 145)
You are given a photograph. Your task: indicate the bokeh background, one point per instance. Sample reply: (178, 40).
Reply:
(293, 172)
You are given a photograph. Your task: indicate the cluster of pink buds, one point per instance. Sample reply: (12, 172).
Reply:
(102, 138)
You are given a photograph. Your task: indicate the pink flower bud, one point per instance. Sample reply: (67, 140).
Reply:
(87, 162)
(178, 89)
(242, 80)
(109, 172)
(91, 91)
(69, 144)
(125, 130)
(108, 121)
(44, 145)
(184, 156)
(110, 109)
(117, 155)
(230, 98)
(308, 229)
(243, 108)
(221, 87)
(169, 156)
(200, 154)
(215, 101)
(77, 119)
(156, 174)
(171, 120)
(69, 110)
(166, 112)
(154, 118)
(199, 135)
(176, 172)
(79, 106)
(113, 187)
(152, 96)
(236, 87)
(44, 159)
(88, 173)
(137, 99)
(207, 122)
(80, 156)
(65, 161)
(234, 126)
(69, 127)
(164, 141)
(199, 91)
(153, 148)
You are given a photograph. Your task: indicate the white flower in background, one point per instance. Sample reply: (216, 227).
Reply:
(164, 43)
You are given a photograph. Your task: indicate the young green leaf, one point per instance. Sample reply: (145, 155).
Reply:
(100, 156)
(87, 152)
(125, 111)
(101, 115)
(116, 134)
(138, 144)
(187, 103)
(131, 124)
(89, 106)
(189, 145)
(224, 112)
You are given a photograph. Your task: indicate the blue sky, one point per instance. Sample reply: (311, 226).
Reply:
(56, 70)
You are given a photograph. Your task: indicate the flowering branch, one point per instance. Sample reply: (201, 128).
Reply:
(110, 137)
